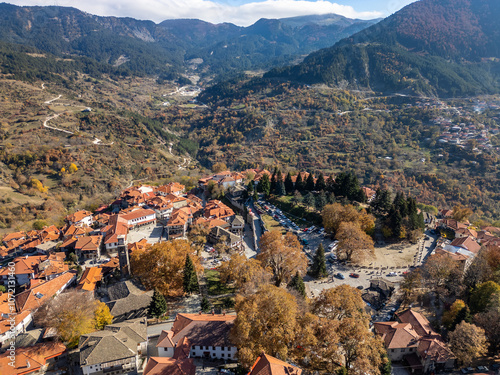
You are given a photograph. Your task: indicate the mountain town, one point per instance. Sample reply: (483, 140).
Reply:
(96, 296)
(211, 192)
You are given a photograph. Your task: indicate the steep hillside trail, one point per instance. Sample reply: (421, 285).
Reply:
(96, 140)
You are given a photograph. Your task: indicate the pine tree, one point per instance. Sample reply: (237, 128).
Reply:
(250, 189)
(319, 263)
(205, 304)
(308, 199)
(190, 283)
(297, 283)
(273, 183)
(288, 183)
(320, 183)
(320, 201)
(158, 305)
(299, 184)
(279, 180)
(310, 185)
(265, 184)
(280, 188)
(255, 195)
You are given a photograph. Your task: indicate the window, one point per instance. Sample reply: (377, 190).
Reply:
(223, 355)
(392, 350)
(402, 350)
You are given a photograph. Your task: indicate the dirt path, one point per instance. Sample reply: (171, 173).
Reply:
(96, 140)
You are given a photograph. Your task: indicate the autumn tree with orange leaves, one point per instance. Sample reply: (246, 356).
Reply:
(162, 266)
(283, 255)
(246, 274)
(341, 309)
(354, 244)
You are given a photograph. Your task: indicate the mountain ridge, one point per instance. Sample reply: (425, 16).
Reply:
(408, 51)
(164, 48)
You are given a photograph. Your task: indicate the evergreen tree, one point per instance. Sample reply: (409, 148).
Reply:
(190, 283)
(280, 188)
(289, 183)
(396, 223)
(320, 183)
(255, 195)
(330, 184)
(308, 200)
(297, 198)
(299, 184)
(158, 305)
(319, 263)
(310, 185)
(265, 185)
(279, 176)
(347, 185)
(401, 205)
(273, 183)
(297, 283)
(382, 202)
(250, 188)
(205, 304)
(320, 201)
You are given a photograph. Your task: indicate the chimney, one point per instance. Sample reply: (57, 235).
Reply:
(213, 312)
(223, 312)
(28, 364)
(199, 312)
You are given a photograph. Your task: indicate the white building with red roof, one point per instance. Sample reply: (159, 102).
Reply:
(208, 336)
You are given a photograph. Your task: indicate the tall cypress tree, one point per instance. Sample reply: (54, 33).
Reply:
(310, 185)
(158, 305)
(279, 180)
(265, 184)
(288, 183)
(320, 183)
(297, 283)
(319, 263)
(273, 183)
(299, 184)
(190, 282)
(280, 188)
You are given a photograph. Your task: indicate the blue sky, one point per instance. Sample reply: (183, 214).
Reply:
(239, 12)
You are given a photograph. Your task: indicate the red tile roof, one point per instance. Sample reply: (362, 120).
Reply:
(30, 359)
(14, 236)
(89, 243)
(33, 298)
(78, 216)
(267, 365)
(90, 278)
(467, 243)
(169, 366)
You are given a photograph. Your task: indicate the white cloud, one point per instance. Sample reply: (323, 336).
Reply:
(211, 11)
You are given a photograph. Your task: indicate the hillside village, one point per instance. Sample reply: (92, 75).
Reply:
(92, 255)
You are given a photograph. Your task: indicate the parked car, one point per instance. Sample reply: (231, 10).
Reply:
(339, 276)
(360, 287)
(392, 274)
(354, 275)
